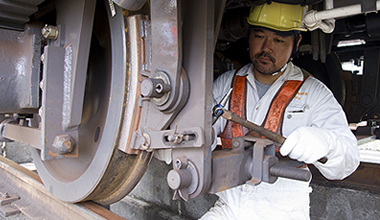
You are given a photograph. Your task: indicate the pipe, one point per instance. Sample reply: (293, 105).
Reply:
(325, 19)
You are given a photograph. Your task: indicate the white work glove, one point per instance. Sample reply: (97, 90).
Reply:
(306, 144)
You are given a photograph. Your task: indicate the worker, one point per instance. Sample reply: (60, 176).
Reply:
(312, 121)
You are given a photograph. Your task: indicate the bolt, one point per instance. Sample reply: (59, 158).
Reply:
(176, 138)
(236, 143)
(154, 88)
(63, 144)
(50, 32)
(162, 88)
(171, 138)
(159, 88)
(145, 141)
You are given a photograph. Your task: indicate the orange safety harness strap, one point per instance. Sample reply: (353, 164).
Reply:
(274, 118)
(237, 106)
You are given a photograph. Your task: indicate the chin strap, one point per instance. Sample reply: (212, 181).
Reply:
(281, 70)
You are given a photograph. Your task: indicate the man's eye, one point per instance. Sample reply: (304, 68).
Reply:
(258, 36)
(279, 41)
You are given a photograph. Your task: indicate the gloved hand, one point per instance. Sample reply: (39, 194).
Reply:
(306, 144)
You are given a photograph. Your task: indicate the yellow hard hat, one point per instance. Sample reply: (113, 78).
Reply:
(277, 16)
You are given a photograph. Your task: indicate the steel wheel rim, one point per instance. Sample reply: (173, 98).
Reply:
(101, 172)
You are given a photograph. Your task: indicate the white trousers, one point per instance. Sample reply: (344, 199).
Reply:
(285, 199)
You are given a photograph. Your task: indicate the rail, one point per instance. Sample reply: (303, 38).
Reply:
(36, 202)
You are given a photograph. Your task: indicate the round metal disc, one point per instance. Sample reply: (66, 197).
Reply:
(101, 172)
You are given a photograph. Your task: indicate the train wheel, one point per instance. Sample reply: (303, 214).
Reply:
(101, 172)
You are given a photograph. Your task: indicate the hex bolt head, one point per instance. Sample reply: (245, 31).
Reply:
(50, 32)
(236, 143)
(63, 144)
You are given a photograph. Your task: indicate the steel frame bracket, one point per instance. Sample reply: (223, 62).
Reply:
(182, 138)
(248, 162)
(167, 47)
(229, 166)
(64, 77)
(263, 150)
(251, 161)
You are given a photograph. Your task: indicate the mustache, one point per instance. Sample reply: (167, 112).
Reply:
(267, 55)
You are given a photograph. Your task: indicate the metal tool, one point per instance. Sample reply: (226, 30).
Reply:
(218, 109)
(260, 130)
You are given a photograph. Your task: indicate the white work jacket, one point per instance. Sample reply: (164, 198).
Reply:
(313, 106)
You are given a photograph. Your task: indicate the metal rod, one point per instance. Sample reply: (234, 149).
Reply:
(290, 172)
(22, 134)
(258, 129)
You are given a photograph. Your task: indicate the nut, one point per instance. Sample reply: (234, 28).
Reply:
(50, 32)
(63, 144)
(236, 143)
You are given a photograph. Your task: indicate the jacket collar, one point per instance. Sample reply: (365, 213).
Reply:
(292, 72)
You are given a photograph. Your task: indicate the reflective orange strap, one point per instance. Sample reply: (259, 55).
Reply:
(237, 106)
(273, 120)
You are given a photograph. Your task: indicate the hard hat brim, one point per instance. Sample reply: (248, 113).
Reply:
(281, 33)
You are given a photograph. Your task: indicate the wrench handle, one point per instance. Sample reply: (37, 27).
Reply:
(259, 129)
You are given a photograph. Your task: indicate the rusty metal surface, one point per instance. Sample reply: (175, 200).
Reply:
(65, 67)
(52, 104)
(36, 202)
(20, 70)
(132, 111)
(142, 115)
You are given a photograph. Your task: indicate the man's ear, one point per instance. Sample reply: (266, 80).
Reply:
(299, 41)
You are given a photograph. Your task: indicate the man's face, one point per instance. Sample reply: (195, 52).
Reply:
(269, 51)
